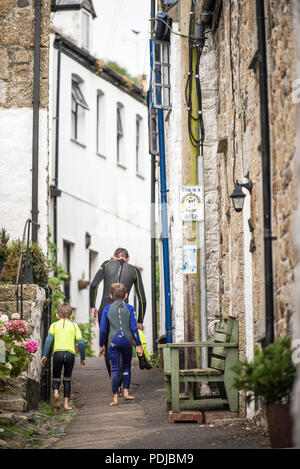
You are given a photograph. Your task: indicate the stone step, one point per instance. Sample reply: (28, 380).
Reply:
(13, 404)
(7, 418)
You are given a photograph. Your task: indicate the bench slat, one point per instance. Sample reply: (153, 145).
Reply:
(197, 372)
(217, 363)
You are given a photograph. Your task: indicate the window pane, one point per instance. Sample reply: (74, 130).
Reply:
(137, 149)
(85, 29)
(78, 96)
(157, 52)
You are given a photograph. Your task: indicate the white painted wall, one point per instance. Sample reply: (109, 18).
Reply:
(16, 171)
(110, 202)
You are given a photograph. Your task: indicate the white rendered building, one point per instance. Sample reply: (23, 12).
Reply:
(100, 168)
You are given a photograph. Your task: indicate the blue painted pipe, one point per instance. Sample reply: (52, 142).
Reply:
(164, 218)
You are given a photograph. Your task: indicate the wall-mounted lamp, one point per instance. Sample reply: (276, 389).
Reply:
(238, 195)
(88, 240)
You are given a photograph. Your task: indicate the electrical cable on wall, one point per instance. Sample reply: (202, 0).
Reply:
(198, 42)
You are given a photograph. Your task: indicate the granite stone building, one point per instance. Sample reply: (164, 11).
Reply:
(249, 118)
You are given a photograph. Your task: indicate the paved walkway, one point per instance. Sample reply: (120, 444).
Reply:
(143, 423)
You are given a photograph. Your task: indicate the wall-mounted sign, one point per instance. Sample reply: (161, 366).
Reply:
(191, 203)
(189, 258)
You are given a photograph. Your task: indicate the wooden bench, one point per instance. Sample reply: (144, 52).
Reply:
(224, 354)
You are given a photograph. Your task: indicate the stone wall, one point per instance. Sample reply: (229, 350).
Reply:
(33, 305)
(16, 53)
(231, 110)
(296, 328)
(238, 117)
(17, 21)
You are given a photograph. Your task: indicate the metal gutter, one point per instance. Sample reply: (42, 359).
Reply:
(35, 121)
(266, 170)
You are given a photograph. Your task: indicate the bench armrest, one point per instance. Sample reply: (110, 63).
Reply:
(199, 344)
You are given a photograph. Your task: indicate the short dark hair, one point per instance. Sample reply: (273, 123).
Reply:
(118, 291)
(64, 311)
(121, 252)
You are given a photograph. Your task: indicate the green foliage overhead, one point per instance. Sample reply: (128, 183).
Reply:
(270, 374)
(122, 71)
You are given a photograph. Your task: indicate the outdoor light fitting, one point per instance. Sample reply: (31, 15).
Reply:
(238, 195)
(88, 240)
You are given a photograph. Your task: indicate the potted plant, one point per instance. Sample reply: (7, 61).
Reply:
(82, 283)
(270, 375)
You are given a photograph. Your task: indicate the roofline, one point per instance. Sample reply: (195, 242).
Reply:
(72, 6)
(90, 62)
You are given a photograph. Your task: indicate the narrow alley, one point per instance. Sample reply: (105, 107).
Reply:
(142, 424)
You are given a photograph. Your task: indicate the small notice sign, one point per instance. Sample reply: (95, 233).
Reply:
(189, 254)
(191, 203)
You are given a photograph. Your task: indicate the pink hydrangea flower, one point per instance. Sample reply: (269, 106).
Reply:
(16, 327)
(31, 346)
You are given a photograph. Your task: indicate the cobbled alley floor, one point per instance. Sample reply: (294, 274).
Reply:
(143, 423)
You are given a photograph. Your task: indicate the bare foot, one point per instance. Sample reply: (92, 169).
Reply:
(56, 403)
(115, 400)
(67, 408)
(128, 397)
(66, 405)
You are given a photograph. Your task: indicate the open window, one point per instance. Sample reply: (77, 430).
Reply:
(79, 106)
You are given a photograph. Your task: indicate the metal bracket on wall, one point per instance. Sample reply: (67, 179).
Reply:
(55, 192)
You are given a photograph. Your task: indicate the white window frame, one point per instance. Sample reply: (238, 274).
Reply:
(161, 87)
(100, 123)
(85, 14)
(120, 134)
(78, 108)
(138, 144)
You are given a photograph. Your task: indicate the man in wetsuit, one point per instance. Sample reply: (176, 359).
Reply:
(117, 270)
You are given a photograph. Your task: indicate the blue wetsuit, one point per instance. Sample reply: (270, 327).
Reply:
(119, 318)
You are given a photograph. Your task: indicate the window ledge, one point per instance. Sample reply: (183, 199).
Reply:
(140, 175)
(100, 154)
(121, 166)
(78, 143)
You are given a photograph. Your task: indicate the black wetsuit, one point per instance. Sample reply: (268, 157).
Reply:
(117, 271)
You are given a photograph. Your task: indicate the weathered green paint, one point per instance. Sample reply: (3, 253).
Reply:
(173, 376)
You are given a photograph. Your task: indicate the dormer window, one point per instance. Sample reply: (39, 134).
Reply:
(85, 29)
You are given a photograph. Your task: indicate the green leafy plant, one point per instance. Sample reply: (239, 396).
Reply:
(4, 239)
(57, 279)
(269, 375)
(36, 258)
(88, 335)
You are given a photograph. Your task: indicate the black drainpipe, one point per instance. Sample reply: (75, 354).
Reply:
(55, 192)
(266, 170)
(35, 123)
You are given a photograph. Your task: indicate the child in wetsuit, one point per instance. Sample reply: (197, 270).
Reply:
(119, 323)
(65, 333)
